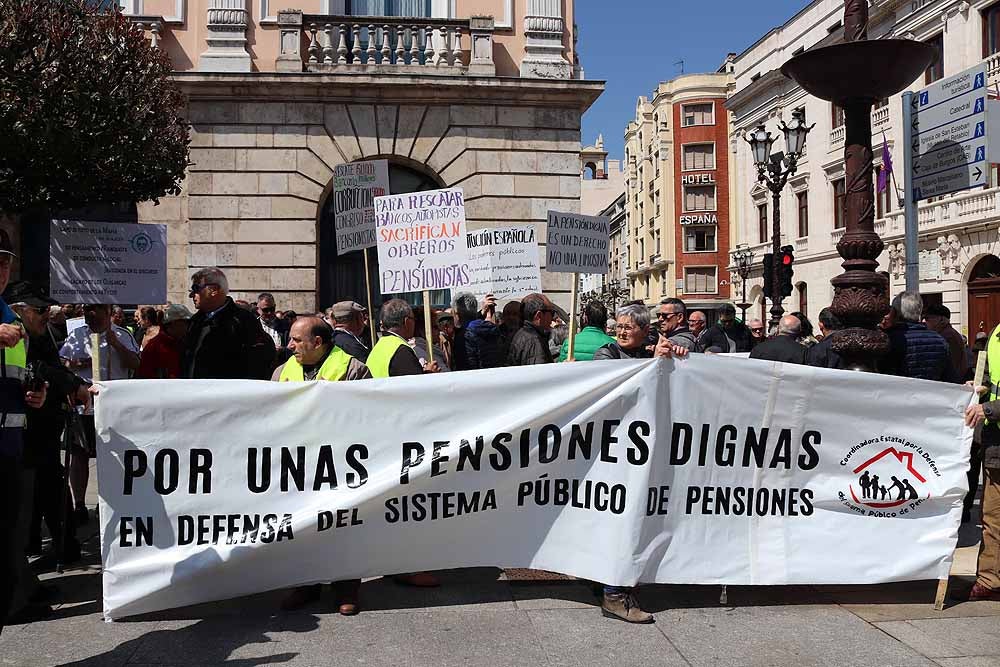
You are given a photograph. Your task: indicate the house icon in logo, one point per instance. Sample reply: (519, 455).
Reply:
(888, 479)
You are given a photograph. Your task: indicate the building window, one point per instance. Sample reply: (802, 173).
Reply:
(839, 195)
(388, 7)
(936, 70)
(699, 197)
(991, 30)
(883, 200)
(803, 299)
(656, 200)
(699, 238)
(663, 283)
(802, 199)
(836, 116)
(762, 226)
(700, 280)
(657, 250)
(699, 156)
(697, 114)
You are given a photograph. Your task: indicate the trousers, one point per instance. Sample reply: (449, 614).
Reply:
(989, 550)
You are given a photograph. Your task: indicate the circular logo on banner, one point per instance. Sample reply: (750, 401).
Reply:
(890, 477)
(142, 243)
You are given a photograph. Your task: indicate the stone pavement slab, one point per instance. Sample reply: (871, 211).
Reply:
(799, 635)
(948, 637)
(977, 661)
(575, 637)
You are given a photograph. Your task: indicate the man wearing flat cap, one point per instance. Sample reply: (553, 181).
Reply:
(349, 320)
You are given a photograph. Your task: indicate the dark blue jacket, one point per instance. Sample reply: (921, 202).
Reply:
(482, 344)
(917, 352)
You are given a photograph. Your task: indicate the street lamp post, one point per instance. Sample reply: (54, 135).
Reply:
(773, 170)
(743, 260)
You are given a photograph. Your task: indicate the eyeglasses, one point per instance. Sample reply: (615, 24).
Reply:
(267, 310)
(625, 328)
(757, 329)
(195, 289)
(665, 316)
(41, 310)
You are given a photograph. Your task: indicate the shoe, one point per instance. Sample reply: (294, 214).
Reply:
(29, 614)
(980, 592)
(419, 579)
(625, 607)
(347, 596)
(301, 596)
(81, 516)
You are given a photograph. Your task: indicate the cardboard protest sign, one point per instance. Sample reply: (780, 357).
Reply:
(422, 242)
(105, 262)
(577, 243)
(503, 261)
(355, 186)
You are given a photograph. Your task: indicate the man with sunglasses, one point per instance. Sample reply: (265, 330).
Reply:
(269, 322)
(224, 341)
(673, 325)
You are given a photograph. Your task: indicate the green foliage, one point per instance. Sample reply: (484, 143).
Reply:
(88, 112)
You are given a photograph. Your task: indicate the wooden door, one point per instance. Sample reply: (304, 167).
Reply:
(984, 311)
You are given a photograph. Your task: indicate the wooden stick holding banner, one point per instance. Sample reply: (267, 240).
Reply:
(977, 381)
(573, 305)
(368, 293)
(427, 327)
(95, 357)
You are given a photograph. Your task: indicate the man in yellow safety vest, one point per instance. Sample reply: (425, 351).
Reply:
(987, 413)
(392, 356)
(315, 357)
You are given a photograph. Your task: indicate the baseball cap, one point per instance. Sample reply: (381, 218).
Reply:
(28, 293)
(343, 309)
(175, 312)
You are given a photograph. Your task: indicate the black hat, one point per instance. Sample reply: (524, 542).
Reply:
(28, 293)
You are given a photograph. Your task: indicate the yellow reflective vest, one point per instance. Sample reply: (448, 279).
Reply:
(382, 353)
(333, 369)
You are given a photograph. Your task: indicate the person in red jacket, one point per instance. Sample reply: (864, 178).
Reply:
(161, 358)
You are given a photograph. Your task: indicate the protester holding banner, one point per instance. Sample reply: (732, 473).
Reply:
(392, 356)
(224, 341)
(530, 345)
(593, 322)
(696, 322)
(673, 324)
(119, 357)
(419, 342)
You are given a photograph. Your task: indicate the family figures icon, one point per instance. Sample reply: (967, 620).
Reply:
(871, 489)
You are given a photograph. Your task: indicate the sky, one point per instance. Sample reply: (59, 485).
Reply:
(635, 44)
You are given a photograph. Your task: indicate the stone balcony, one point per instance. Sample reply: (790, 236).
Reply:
(952, 213)
(151, 25)
(385, 45)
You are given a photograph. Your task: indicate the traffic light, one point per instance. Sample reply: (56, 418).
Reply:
(768, 274)
(785, 270)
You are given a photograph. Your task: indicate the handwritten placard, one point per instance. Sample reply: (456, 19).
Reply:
(355, 186)
(577, 243)
(503, 261)
(422, 242)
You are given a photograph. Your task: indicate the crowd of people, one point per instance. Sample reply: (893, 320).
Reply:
(225, 338)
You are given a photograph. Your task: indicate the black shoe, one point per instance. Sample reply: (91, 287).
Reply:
(81, 516)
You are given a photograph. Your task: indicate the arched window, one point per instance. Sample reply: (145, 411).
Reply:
(803, 298)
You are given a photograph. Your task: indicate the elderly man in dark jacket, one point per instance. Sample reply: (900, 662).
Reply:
(224, 341)
(530, 344)
(914, 350)
(726, 335)
(785, 345)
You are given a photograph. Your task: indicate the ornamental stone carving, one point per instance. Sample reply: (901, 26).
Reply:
(897, 259)
(949, 248)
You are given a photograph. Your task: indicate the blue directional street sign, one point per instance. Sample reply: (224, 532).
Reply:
(948, 144)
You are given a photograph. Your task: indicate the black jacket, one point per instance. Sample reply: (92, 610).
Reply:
(482, 344)
(917, 352)
(822, 355)
(229, 345)
(350, 344)
(781, 348)
(43, 435)
(717, 337)
(529, 346)
(616, 351)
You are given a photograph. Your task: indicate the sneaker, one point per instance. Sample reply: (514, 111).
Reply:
(301, 596)
(624, 606)
(980, 592)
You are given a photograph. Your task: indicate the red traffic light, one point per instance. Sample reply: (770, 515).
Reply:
(786, 260)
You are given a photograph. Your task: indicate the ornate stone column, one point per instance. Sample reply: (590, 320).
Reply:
(543, 48)
(226, 38)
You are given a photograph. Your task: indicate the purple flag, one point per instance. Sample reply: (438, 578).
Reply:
(883, 174)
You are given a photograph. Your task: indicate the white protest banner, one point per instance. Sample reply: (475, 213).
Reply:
(106, 262)
(614, 471)
(503, 261)
(355, 186)
(422, 241)
(577, 243)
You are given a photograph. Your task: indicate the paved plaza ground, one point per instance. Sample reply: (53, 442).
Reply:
(488, 617)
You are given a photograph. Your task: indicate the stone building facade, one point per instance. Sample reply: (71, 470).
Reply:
(677, 192)
(484, 95)
(959, 240)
